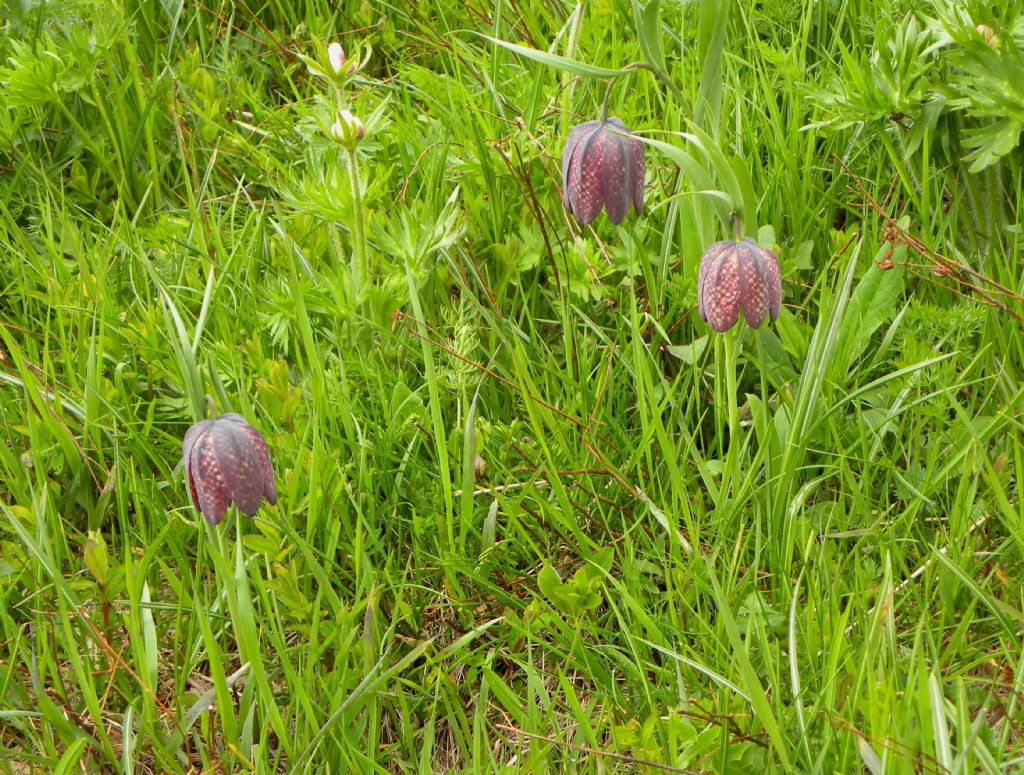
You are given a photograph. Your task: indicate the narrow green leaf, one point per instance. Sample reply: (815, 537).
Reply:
(68, 763)
(648, 28)
(758, 698)
(554, 60)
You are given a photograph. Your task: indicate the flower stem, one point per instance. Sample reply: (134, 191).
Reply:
(607, 97)
(661, 75)
(360, 268)
(737, 226)
(732, 455)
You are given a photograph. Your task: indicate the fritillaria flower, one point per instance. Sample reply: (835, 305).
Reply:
(738, 276)
(602, 165)
(227, 460)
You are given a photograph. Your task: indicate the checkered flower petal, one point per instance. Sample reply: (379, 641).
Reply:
(227, 460)
(738, 277)
(602, 166)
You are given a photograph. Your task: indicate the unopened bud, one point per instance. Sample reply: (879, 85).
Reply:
(988, 34)
(336, 56)
(348, 129)
(96, 559)
(479, 467)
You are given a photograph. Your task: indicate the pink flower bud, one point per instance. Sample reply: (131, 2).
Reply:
(348, 129)
(336, 56)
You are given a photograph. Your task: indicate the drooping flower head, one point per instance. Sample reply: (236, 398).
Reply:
(602, 166)
(227, 460)
(738, 276)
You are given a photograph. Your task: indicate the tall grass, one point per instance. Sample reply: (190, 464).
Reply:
(516, 529)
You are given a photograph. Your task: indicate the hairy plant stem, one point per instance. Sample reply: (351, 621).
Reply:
(359, 268)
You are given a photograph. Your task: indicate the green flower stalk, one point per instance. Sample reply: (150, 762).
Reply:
(349, 131)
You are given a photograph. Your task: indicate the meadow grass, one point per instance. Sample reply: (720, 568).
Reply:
(524, 524)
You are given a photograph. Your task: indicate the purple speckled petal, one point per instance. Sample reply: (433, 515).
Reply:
(241, 471)
(586, 181)
(191, 436)
(227, 460)
(616, 177)
(206, 479)
(264, 471)
(716, 291)
(633, 153)
(774, 279)
(753, 283)
(575, 135)
(723, 304)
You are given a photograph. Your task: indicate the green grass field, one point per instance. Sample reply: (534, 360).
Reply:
(533, 514)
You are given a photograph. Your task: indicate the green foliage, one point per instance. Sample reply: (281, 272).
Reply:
(581, 594)
(533, 515)
(940, 86)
